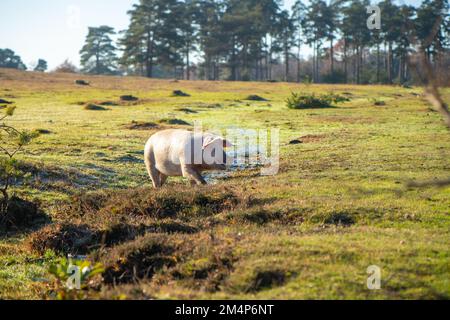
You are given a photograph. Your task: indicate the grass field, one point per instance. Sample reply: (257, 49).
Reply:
(338, 205)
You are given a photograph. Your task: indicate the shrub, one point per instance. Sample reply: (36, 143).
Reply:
(12, 142)
(377, 102)
(81, 82)
(174, 122)
(66, 67)
(255, 97)
(129, 98)
(90, 277)
(94, 107)
(298, 101)
(140, 125)
(179, 93)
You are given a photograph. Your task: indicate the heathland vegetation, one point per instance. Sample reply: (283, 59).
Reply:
(346, 196)
(363, 171)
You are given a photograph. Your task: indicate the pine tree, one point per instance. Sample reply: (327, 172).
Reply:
(315, 32)
(152, 36)
(9, 59)
(41, 66)
(98, 55)
(433, 16)
(286, 38)
(188, 14)
(354, 27)
(298, 15)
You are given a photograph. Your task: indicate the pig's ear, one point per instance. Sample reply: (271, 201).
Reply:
(210, 141)
(227, 143)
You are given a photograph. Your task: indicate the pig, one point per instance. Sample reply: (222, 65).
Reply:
(176, 152)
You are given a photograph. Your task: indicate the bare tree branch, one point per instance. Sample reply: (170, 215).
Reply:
(432, 93)
(432, 90)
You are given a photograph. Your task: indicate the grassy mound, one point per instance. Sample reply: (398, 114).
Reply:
(139, 125)
(129, 98)
(94, 107)
(255, 97)
(199, 262)
(107, 218)
(82, 82)
(20, 215)
(179, 93)
(174, 122)
(187, 110)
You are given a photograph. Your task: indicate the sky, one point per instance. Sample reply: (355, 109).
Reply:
(55, 30)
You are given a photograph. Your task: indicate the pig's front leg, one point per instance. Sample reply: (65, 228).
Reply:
(191, 174)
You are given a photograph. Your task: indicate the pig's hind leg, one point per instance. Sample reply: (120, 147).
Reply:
(193, 176)
(155, 176)
(162, 179)
(150, 164)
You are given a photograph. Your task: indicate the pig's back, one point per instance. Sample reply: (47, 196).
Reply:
(168, 147)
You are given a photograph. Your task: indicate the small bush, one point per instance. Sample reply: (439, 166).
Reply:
(108, 103)
(174, 122)
(378, 103)
(94, 107)
(82, 83)
(129, 98)
(298, 101)
(179, 93)
(12, 142)
(139, 259)
(187, 110)
(295, 141)
(62, 238)
(340, 219)
(90, 278)
(255, 97)
(43, 131)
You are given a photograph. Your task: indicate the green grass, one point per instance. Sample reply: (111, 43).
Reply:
(338, 205)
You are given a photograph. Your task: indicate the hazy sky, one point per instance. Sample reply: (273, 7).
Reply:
(55, 29)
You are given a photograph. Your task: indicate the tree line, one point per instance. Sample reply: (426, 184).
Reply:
(9, 59)
(242, 40)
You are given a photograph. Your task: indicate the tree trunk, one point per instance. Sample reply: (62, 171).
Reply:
(385, 60)
(149, 56)
(267, 59)
(97, 63)
(318, 64)
(331, 57)
(188, 62)
(357, 65)
(314, 62)
(361, 63)
(286, 61)
(345, 61)
(378, 63)
(389, 66)
(299, 79)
